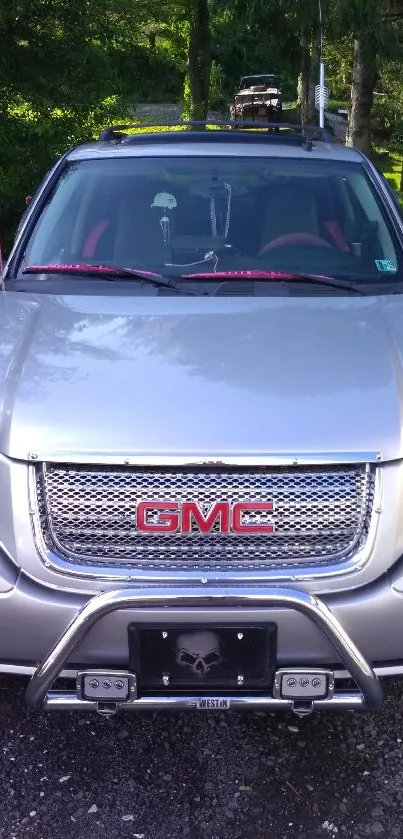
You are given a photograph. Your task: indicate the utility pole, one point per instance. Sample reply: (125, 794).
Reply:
(321, 91)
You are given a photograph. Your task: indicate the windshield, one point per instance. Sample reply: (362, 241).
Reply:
(178, 216)
(251, 81)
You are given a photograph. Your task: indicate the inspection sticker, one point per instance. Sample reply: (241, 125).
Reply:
(386, 266)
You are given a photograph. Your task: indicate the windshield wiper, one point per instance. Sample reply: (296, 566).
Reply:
(273, 276)
(107, 271)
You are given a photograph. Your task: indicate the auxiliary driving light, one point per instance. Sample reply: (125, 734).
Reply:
(303, 684)
(101, 686)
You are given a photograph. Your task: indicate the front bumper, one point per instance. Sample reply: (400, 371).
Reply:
(258, 112)
(247, 603)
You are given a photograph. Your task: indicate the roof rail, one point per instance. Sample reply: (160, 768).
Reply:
(304, 134)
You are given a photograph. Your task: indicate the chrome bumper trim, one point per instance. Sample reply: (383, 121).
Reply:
(6, 669)
(265, 459)
(274, 597)
(59, 701)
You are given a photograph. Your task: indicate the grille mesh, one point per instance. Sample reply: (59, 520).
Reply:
(88, 515)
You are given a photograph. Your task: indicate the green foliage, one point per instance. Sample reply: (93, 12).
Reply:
(218, 99)
(339, 66)
(144, 76)
(32, 141)
(240, 48)
(186, 101)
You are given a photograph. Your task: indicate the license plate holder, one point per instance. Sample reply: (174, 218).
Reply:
(203, 657)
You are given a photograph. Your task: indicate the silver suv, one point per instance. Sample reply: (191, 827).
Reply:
(201, 426)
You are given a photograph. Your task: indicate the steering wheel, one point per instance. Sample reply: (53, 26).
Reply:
(295, 239)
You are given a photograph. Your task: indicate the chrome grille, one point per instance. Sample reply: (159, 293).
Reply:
(87, 515)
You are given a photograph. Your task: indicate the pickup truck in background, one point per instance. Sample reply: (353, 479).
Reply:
(258, 98)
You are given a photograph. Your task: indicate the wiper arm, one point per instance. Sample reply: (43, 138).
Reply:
(108, 272)
(273, 276)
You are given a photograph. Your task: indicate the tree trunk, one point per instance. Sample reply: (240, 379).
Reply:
(303, 80)
(152, 41)
(365, 74)
(199, 59)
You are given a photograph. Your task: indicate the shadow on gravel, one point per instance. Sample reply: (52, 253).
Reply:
(223, 776)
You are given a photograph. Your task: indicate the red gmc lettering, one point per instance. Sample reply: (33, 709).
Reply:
(238, 511)
(218, 512)
(167, 522)
(173, 517)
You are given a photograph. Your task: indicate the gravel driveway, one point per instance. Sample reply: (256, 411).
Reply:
(223, 776)
(172, 113)
(339, 126)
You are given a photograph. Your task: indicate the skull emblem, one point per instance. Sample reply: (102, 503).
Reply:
(198, 652)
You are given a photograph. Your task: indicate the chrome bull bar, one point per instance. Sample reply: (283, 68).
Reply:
(369, 692)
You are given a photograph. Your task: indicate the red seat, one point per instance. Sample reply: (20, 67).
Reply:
(94, 236)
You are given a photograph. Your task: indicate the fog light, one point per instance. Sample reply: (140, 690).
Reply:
(303, 684)
(112, 686)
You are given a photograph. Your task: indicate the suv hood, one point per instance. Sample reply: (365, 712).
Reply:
(200, 376)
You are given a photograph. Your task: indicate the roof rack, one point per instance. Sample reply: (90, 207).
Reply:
(281, 132)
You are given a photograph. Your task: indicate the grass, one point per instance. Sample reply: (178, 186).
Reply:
(335, 105)
(389, 162)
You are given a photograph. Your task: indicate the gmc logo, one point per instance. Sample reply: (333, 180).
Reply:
(224, 516)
